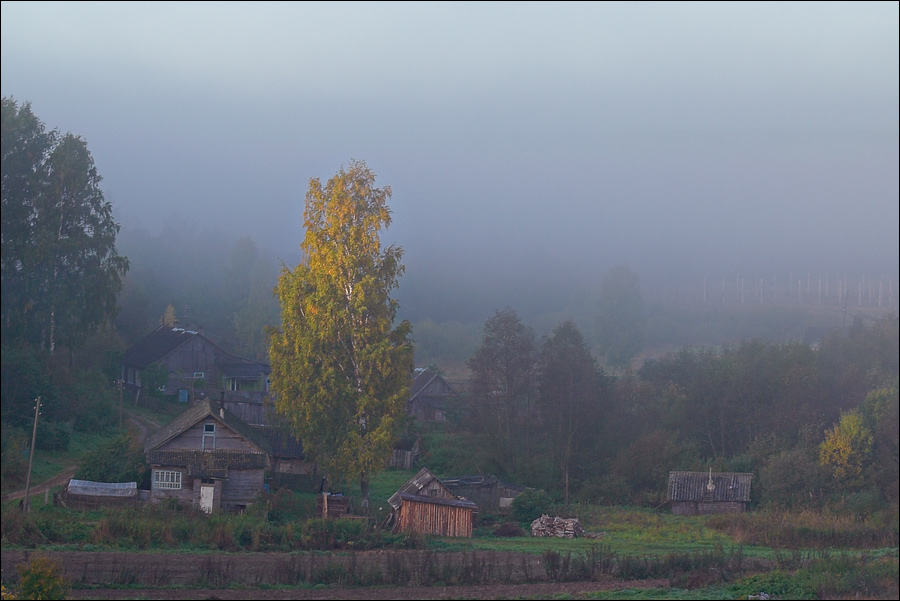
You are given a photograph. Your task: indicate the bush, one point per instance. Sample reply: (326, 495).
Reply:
(42, 578)
(14, 465)
(510, 529)
(52, 436)
(118, 460)
(530, 505)
(341, 533)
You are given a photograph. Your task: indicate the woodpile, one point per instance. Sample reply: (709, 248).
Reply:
(557, 526)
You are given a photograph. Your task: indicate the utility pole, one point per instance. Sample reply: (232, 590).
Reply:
(121, 386)
(37, 411)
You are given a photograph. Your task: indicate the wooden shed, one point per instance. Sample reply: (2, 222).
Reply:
(700, 493)
(426, 506)
(488, 492)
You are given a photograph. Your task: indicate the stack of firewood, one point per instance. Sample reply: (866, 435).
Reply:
(556, 526)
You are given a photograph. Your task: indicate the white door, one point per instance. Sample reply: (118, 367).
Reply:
(207, 494)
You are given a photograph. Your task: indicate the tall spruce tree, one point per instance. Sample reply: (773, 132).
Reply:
(61, 272)
(341, 369)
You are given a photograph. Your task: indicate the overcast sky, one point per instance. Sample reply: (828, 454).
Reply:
(517, 137)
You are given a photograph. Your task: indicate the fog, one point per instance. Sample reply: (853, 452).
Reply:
(529, 147)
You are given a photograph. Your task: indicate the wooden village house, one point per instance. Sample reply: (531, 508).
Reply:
(429, 396)
(209, 458)
(424, 505)
(699, 493)
(196, 367)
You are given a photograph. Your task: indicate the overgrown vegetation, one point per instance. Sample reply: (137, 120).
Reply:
(40, 578)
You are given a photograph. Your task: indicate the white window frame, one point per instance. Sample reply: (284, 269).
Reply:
(167, 479)
(199, 375)
(208, 442)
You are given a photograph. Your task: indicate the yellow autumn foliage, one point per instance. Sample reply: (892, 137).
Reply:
(846, 451)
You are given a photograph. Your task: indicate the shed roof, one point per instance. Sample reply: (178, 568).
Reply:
(456, 502)
(716, 487)
(479, 481)
(414, 485)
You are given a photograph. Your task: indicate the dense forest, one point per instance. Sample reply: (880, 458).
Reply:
(596, 397)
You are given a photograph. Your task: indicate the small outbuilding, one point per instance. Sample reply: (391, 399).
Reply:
(88, 495)
(424, 505)
(491, 494)
(700, 493)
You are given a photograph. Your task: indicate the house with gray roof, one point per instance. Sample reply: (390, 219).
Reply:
(209, 458)
(195, 367)
(430, 396)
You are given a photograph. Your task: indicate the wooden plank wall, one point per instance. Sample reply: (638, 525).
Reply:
(700, 508)
(242, 487)
(226, 438)
(431, 518)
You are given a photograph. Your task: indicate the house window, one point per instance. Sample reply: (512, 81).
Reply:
(166, 479)
(199, 375)
(235, 385)
(209, 437)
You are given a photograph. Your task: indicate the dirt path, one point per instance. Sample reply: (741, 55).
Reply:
(140, 427)
(39, 489)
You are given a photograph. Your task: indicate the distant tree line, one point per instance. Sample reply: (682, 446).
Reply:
(808, 422)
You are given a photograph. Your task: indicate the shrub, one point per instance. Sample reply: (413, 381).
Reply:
(342, 533)
(52, 436)
(42, 578)
(118, 460)
(509, 529)
(530, 505)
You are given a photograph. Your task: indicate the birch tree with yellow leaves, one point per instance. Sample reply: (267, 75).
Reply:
(341, 368)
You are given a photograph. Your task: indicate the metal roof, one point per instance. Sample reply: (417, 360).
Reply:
(715, 487)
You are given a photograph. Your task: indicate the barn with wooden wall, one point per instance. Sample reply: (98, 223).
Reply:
(433, 515)
(700, 493)
(426, 506)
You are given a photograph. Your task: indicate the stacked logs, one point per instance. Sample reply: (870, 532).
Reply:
(556, 526)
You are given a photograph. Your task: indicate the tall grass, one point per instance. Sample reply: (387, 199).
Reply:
(807, 528)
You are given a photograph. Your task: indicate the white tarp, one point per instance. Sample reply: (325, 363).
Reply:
(102, 489)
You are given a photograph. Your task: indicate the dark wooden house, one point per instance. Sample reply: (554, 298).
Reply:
(430, 396)
(488, 492)
(424, 505)
(197, 367)
(208, 458)
(699, 493)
